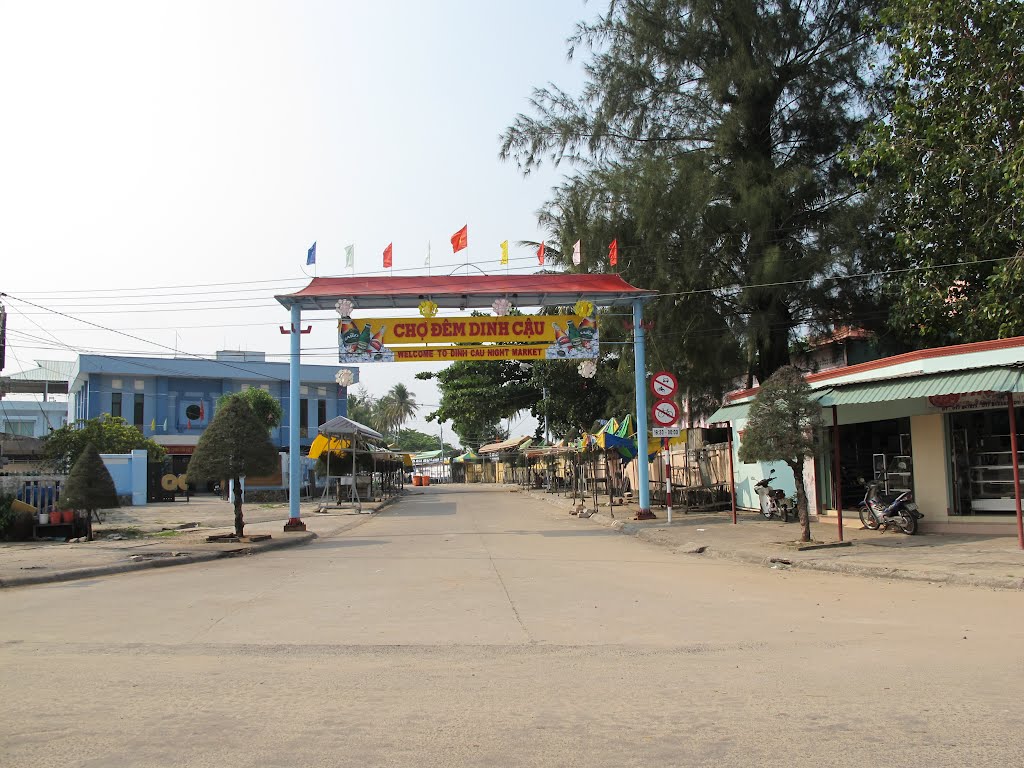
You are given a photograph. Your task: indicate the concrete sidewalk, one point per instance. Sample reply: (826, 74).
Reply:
(156, 536)
(973, 560)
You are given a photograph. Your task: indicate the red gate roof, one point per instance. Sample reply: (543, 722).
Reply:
(464, 291)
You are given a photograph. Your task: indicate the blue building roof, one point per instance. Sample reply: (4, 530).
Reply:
(233, 368)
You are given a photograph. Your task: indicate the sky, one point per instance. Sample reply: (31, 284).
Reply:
(164, 167)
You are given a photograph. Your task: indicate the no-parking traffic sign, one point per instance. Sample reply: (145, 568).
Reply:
(664, 384)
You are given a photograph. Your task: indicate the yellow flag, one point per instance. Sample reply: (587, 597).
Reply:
(504, 252)
(152, 426)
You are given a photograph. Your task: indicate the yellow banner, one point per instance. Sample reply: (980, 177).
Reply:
(380, 339)
(537, 329)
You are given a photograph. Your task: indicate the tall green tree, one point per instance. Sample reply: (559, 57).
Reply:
(414, 441)
(264, 405)
(706, 140)
(945, 151)
(362, 407)
(236, 444)
(89, 485)
(783, 425)
(108, 434)
(476, 396)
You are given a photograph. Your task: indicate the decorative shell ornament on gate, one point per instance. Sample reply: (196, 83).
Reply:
(583, 308)
(344, 377)
(501, 307)
(587, 369)
(344, 307)
(428, 309)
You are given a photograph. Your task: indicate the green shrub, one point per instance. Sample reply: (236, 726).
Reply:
(6, 513)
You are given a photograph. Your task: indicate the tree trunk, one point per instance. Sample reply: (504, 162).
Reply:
(236, 486)
(801, 499)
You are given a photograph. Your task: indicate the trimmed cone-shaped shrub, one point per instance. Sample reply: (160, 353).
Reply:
(89, 485)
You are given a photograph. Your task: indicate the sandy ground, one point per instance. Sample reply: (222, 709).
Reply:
(471, 628)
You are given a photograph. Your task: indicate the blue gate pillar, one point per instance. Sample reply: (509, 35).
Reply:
(294, 458)
(640, 382)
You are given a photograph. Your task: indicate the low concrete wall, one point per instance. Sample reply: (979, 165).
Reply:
(128, 471)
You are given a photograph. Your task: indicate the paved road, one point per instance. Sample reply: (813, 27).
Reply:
(477, 628)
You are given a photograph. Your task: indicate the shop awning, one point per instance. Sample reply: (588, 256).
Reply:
(427, 455)
(995, 379)
(730, 413)
(323, 443)
(505, 445)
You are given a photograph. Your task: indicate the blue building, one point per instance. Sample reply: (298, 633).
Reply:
(172, 401)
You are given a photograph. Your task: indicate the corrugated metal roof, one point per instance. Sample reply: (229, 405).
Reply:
(48, 370)
(995, 379)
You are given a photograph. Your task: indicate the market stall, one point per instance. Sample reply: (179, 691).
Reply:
(358, 455)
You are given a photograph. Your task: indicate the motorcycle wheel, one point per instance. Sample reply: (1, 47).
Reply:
(867, 519)
(907, 523)
(785, 512)
(766, 511)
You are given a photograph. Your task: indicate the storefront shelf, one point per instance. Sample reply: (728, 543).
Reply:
(993, 505)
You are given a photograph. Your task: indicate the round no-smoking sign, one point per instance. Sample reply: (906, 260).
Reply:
(664, 384)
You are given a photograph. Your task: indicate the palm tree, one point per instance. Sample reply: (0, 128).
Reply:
(397, 407)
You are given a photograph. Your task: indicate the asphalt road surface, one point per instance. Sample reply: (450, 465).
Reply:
(480, 628)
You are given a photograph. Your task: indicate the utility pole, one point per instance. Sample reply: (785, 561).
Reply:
(3, 336)
(547, 431)
(440, 425)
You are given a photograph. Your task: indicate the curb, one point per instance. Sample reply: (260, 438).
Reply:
(116, 568)
(826, 566)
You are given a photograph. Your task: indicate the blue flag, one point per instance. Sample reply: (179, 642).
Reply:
(311, 254)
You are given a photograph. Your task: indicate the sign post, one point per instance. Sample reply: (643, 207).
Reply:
(665, 413)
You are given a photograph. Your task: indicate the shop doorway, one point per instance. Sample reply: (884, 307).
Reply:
(873, 449)
(983, 462)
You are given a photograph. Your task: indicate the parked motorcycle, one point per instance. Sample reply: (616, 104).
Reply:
(877, 512)
(773, 500)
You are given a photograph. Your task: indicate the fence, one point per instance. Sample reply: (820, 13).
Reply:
(40, 491)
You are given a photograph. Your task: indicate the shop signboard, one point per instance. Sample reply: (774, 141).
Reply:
(527, 337)
(972, 401)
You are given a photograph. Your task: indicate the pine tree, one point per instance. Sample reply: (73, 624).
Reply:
(783, 426)
(707, 139)
(89, 485)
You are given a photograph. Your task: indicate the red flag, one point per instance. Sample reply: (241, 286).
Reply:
(387, 256)
(613, 252)
(460, 239)
(540, 254)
